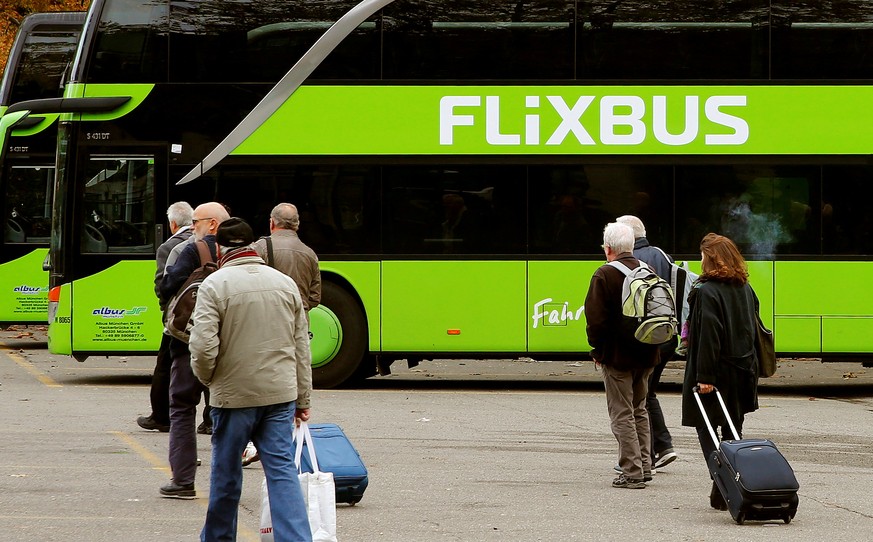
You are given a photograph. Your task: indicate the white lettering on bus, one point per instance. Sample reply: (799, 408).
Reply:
(554, 316)
(740, 126)
(448, 118)
(621, 120)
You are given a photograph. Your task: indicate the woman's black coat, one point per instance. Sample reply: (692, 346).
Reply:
(721, 351)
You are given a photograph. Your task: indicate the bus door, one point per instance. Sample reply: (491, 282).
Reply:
(118, 229)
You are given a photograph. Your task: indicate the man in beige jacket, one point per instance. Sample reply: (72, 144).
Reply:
(250, 345)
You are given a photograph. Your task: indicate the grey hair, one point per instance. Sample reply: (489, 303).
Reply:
(635, 223)
(181, 213)
(618, 237)
(285, 217)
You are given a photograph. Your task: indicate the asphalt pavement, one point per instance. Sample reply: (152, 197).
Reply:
(514, 450)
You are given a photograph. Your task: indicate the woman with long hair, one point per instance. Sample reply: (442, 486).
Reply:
(721, 347)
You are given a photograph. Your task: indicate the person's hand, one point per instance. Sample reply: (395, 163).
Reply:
(705, 388)
(301, 415)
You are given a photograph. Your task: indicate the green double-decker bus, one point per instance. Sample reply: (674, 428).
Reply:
(455, 163)
(39, 59)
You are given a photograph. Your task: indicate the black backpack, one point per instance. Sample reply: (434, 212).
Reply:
(181, 306)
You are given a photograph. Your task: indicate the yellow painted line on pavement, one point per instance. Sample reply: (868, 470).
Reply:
(27, 366)
(158, 464)
(143, 452)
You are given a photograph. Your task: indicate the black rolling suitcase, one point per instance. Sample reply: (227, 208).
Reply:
(753, 476)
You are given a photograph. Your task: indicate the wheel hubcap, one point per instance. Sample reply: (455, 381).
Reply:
(327, 335)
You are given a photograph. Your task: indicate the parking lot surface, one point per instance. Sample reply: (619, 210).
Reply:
(457, 450)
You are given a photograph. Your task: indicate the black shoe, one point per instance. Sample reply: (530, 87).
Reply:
(175, 491)
(147, 422)
(204, 429)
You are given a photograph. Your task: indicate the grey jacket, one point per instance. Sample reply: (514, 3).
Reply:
(298, 261)
(250, 340)
(163, 253)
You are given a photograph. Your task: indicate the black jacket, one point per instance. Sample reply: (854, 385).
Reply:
(721, 351)
(188, 260)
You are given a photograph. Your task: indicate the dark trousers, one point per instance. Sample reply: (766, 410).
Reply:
(661, 438)
(159, 394)
(185, 391)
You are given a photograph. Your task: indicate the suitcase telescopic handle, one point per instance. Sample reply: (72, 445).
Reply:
(706, 418)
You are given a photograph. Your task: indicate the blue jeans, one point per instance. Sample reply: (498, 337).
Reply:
(269, 427)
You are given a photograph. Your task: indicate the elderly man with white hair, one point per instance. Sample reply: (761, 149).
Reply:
(626, 363)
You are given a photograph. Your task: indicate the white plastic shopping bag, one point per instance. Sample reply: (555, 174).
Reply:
(318, 489)
(319, 494)
(266, 518)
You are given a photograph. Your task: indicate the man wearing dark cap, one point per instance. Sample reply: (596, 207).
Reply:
(250, 345)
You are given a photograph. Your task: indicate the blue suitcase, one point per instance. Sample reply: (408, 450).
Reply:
(753, 476)
(336, 454)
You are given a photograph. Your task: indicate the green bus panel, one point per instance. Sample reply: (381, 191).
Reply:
(364, 278)
(793, 334)
(761, 279)
(25, 289)
(844, 335)
(60, 330)
(459, 306)
(570, 120)
(556, 295)
(819, 289)
(116, 310)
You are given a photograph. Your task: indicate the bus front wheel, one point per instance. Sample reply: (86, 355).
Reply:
(339, 338)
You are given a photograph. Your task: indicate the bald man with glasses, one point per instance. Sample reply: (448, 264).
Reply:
(185, 389)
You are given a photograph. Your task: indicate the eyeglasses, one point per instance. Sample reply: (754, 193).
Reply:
(196, 220)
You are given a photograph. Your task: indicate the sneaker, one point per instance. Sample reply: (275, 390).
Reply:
(250, 455)
(665, 458)
(628, 483)
(618, 469)
(204, 429)
(147, 422)
(176, 491)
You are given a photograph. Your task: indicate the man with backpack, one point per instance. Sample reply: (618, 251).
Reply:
(179, 217)
(626, 361)
(662, 442)
(283, 250)
(185, 389)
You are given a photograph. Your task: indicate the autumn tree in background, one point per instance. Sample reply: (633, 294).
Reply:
(13, 11)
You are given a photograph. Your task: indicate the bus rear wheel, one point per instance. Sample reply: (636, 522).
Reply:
(339, 338)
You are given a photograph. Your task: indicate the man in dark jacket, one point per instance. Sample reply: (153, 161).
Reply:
(626, 363)
(662, 442)
(179, 216)
(185, 389)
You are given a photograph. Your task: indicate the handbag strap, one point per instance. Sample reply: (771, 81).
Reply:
(302, 435)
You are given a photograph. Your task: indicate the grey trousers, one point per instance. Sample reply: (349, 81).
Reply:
(626, 401)
(185, 391)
